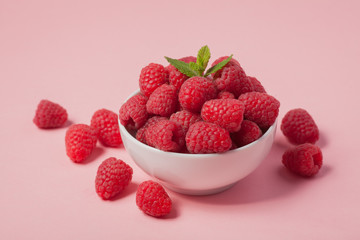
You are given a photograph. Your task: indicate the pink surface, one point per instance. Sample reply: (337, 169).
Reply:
(86, 55)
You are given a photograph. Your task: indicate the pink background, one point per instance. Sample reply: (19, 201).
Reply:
(87, 55)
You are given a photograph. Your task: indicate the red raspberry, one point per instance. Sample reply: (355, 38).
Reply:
(227, 113)
(256, 85)
(152, 199)
(185, 118)
(205, 137)
(113, 176)
(248, 133)
(49, 115)
(165, 135)
(140, 134)
(80, 140)
(133, 114)
(194, 92)
(151, 77)
(260, 108)
(187, 59)
(225, 95)
(233, 79)
(304, 159)
(232, 62)
(163, 101)
(299, 127)
(106, 124)
(176, 78)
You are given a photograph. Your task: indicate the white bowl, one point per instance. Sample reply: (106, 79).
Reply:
(198, 174)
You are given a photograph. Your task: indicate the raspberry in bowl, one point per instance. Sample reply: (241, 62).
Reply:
(198, 131)
(197, 173)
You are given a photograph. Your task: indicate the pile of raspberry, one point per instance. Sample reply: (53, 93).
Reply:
(186, 113)
(113, 175)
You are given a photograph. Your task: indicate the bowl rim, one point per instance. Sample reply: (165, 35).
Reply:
(128, 135)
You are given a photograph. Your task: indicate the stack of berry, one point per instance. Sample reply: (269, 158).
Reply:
(183, 108)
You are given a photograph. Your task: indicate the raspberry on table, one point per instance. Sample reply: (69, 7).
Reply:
(165, 135)
(257, 86)
(185, 118)
(225, 95)
(151, 77)
(106, 124)
(50, 115)
(233, 79)
(305, 159)
(140, 134)
(163, 101)
(260, 108)
(248, 133)
(113, 176)
(206, 137)
(227, 113)
(80, 140)
(132, 113)
(195, 92)
(152, 199)
(299, 127)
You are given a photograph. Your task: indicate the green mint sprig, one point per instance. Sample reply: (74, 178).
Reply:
(198, 68)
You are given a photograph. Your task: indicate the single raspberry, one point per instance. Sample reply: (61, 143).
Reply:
(225, 95)
(113, 176)
(194, 92)
(106, 124)
(299, 127)
(80, 140)
(185, 118)
(163, 101)
(140, 134)
(133, 114)
(304, 159)
(49, 115)
(151, 77)
(205, 137)
(260, 108)
(257, 86)
(176, 78)
(152, 199)
(227, 113)
(165, 135)
(187, 59)
(248, 133)
(233, 79)
(232, 62)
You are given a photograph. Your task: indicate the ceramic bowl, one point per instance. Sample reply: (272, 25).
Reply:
(198, 174)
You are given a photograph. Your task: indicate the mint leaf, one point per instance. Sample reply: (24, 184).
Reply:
(203, 58)
(196, 68)
(218, 66)
(183, 67)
